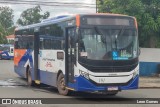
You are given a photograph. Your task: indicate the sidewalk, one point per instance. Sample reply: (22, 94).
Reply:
(149, 82)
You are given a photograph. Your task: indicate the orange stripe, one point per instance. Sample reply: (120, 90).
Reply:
(18, 54)
(113, 14)
(135, 21)
(78, 20)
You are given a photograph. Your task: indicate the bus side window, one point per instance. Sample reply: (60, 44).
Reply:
(47, 44)
(11, 50)
(16, 45)
(62, 44)
(57, 44)
(41, 45)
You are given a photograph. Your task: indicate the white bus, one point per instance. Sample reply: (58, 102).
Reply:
(84, 52)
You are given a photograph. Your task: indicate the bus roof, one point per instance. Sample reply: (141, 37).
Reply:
(64, 18)
(46, 22)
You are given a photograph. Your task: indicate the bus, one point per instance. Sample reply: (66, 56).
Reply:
(95, 53)
(6, 51)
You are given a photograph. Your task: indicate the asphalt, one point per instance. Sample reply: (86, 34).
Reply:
(149, 82)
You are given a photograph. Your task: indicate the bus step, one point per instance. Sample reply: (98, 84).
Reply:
(37, 82)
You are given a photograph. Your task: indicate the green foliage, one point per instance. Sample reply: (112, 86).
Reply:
(2, 34)
(6, 17)
(6, 21)
(147, 13)
(32, 15)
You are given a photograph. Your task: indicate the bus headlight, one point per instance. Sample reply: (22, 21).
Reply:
(84, 74)
(135, 73)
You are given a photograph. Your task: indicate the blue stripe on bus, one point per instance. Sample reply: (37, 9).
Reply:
(83, 84)
(20, 69)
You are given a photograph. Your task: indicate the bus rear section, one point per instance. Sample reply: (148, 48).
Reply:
(7, 52)
(89, 53)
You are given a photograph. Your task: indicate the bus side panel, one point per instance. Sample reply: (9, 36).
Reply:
(49, 66)
(22, 59)
(48, 78)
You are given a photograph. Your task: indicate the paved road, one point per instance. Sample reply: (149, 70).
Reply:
(12, 86)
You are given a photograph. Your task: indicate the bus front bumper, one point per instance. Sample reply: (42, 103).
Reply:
(82, 84)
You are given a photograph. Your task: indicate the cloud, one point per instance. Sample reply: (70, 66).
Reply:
(55, 10)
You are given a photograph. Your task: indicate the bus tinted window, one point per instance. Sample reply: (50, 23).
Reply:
(51, 44)
(47, 44)
(52, 30)
(24, 42)
(57, 44)
(11, 50)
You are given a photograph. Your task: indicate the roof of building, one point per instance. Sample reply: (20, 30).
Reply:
(10, 36)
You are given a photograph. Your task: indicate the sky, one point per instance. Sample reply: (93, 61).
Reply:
(54, 10)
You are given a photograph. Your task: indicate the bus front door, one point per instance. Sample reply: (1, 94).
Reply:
(70, 55)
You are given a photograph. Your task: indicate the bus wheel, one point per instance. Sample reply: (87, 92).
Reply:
(29, 78)
(61, 85)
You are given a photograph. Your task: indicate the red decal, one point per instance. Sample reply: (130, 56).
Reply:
(48, 64)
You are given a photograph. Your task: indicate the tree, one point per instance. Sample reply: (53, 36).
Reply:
(6, 21)
(147, 13)
(32, 15)
(3, 33)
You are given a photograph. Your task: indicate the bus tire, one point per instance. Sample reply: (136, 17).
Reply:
(29, 78)
(61, 85)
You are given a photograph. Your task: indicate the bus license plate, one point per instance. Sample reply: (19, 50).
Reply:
(112, 88)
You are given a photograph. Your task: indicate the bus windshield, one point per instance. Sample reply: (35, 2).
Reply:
(108, 44)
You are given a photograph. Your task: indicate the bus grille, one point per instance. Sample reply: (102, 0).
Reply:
(111, 70)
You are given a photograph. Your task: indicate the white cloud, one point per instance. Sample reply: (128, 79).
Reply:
(9, 5)
(55, 10)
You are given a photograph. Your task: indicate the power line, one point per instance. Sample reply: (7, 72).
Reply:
(34, 1)
(46, 3)
(75, 6)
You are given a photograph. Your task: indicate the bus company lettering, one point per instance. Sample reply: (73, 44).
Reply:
(47, 59)
(101, 80)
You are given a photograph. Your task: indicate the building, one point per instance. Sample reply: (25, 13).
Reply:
(10, 38)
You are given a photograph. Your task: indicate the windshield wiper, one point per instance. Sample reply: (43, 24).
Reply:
(97, 31)
(119, 34)
(121, 31)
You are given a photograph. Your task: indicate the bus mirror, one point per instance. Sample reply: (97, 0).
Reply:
(60, 55)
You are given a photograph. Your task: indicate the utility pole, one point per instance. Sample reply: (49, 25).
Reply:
(96, 7)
